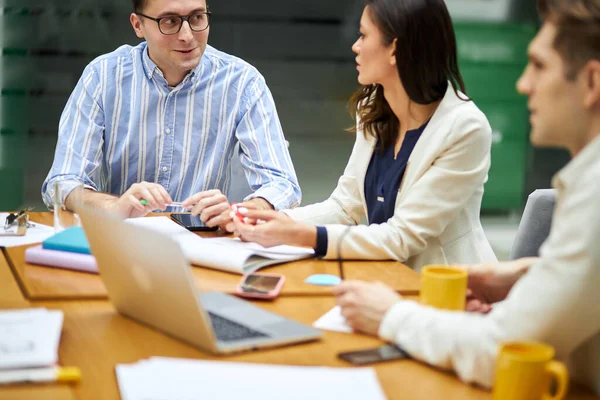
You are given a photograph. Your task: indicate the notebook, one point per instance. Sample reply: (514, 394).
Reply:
(61, 259)
(71, 239)
(225, 254)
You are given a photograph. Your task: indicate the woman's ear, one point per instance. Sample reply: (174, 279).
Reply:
(393, 52)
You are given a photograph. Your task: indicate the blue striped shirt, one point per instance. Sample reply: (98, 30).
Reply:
(123, 124)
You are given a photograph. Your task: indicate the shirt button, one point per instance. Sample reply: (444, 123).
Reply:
(168, 131)
(165, 169)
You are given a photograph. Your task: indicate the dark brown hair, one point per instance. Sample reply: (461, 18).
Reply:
(138, 5)
(426, 58)
(578, 31)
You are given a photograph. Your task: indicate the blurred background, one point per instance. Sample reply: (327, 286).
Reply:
(303, 48)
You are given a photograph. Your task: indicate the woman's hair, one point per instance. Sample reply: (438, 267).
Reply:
(426, 58)
(578, 31)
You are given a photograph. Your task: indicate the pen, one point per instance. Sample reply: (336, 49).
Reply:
(49, 374)
(144, 202)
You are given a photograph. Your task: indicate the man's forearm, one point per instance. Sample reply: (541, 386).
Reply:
(261, 204)
(91, 198)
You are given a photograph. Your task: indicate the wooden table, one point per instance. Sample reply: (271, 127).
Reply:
(43, 283)
(96, 338)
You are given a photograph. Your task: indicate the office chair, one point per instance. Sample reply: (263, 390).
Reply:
(535, 224)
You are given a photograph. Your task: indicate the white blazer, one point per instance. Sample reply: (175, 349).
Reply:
(436, 220)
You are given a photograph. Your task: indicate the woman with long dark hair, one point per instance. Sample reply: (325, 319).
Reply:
(421, 157)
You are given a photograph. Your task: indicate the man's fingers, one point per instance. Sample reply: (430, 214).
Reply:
(209, 202)
(135, 203)
(214, 214)
(145, 194)
(164, 194)
(194, 199)
(158, 198)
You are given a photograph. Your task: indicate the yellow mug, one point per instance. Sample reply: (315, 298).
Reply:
(444, 287)
(525, 370)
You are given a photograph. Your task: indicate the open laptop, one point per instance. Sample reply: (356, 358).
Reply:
(149, 280)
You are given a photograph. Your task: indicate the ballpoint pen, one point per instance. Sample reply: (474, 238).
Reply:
(144, 202)
(47, 374)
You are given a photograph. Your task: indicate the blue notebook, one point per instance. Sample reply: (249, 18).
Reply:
(72, 240)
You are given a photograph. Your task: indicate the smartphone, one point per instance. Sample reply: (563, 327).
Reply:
(387, 352)
(260, 286)
(192, 223)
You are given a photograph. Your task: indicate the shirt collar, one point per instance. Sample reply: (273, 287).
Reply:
(584, 161)
(150, 68)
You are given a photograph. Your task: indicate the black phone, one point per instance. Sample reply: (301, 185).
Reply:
(192, 223)
(387, 352)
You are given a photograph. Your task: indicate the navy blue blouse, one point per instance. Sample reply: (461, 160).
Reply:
(382, 183)
(384, 177)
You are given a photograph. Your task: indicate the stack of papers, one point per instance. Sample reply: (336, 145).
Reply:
(224, 254)
(171, 378)
(28, 339)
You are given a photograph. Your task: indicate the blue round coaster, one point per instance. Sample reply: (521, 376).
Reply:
(323, 280)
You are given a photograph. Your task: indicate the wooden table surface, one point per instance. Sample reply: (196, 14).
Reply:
(44, 283)
(96, 338)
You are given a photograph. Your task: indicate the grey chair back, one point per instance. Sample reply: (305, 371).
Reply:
(239, 188)
(535, 224)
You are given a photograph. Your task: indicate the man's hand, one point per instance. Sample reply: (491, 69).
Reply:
(490, 283)
(129, 206)
(210, 205)
(365, 304)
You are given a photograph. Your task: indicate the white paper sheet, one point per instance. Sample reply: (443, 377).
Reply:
(164, 225)
(36, 234)
(333, 320)
(29, 338)
(182, 379)
(224, 254)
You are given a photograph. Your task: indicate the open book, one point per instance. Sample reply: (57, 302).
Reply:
(224, 254)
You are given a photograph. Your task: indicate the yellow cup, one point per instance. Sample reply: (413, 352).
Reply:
(444, 287)
(525, 370)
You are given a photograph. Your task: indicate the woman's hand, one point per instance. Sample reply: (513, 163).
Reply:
(272, 228)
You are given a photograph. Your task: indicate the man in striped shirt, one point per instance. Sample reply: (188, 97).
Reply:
(159, 122)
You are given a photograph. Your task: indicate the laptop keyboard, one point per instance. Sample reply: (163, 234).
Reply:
(227, 331)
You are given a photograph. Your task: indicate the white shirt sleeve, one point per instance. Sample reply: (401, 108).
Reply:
(555, 302)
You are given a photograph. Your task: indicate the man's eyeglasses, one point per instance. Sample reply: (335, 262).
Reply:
(171, 24)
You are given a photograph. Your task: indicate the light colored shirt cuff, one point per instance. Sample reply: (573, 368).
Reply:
(392, 321)
(68, 185)
(274, 196)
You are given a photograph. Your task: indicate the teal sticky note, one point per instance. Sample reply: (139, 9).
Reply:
(323, 280)
(72, 240)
